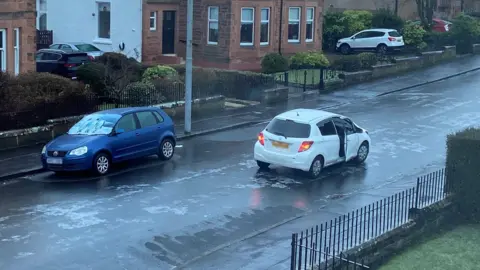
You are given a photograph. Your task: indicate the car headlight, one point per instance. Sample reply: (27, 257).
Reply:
(44, 149)
(79, 151)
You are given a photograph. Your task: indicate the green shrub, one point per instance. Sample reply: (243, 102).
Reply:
(142, 94)
(306, 60)
(159, 72)
(119, 63)
(357, 20)
(171, 91)
(37, 97)
(352, 63)
(385, 18)
(413, 36)
(466, 32)
(274, 62)
(334, 28)
(437, 40)
(463, 170)
(93, 74)
(180, 68)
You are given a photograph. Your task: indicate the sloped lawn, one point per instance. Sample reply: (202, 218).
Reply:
(458, 249)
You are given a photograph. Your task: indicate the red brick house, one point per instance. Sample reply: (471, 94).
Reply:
(17, 35)
(230, 34)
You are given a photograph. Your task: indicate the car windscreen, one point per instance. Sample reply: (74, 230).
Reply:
(394, 34)
(87, 48)
(95, 124)
(288, 128)
(76, 59)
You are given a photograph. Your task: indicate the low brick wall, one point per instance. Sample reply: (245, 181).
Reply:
(403, 65)
(476, 49)
(423, 224)
(275, 95)
(56, 127)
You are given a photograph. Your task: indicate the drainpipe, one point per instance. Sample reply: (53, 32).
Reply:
(280, 29)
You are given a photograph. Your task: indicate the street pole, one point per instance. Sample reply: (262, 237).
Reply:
(188, 69)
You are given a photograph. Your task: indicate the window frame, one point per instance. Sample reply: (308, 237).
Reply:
(209, 21)
(41, 12)
(16, 50)
(322, 123)
(267, 22)
(140, 122)
(247, 22)
(137, 124)
(98, 4)
(298, 21)
(3, 50)
(159, 117)
(154, 20)
(312, 22)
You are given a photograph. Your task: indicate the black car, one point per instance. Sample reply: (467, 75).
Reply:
(63, 63)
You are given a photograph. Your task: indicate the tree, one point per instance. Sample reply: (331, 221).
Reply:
(425, 10)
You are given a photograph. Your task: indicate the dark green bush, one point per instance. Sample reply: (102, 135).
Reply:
(160, 72)
(352, 63)
(463, 171)
(334, 28)
(142, 94)
(273, 63)
(93, 74)
(413, 36)
(437, 40)
(33, 98)
(385, 18)
(465, 32)
(307, 60)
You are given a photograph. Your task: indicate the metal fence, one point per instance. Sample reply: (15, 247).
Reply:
(44, 39)
(309, 78)
(330, 240)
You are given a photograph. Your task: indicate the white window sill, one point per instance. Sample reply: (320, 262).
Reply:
(309, 40)
(246, 44)
(263, 43)
(104, 41)
(212, 43)
(293, 41)
(153, 29)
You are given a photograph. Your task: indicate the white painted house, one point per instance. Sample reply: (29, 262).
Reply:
(110, 25)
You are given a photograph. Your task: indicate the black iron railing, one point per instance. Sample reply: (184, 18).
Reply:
(327, 242)
(309, 79)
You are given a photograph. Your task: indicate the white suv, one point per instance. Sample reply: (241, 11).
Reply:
(380, 40)
(310, 140)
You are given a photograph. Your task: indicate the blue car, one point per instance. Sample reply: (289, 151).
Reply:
(111, 136)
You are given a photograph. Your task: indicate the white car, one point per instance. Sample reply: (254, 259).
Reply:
(310, 140)
(380, 40)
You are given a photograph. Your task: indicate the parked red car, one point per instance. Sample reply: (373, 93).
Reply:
(439, 25)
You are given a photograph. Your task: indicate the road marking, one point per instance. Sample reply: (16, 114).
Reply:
(178, 146)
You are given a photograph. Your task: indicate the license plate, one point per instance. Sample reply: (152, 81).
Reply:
(280, 144)
(56, 161)
(399, 40)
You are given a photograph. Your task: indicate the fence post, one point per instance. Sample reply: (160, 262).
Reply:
(293, 252)
(321, 84)
(304, 80)
(285, 78)
(417, 192)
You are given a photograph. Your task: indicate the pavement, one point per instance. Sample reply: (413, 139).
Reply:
(211, 208)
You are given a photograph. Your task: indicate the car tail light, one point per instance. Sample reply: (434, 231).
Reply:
(305, 146)
(261, 138)
(391, 39)
(69, 65)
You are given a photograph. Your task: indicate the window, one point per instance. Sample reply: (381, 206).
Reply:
(265, 26)
(65, 47)
(153, 21)
(294, 24)
(55, 46)
(310, 24)
(212, 25)
(87, 48)
(42, 14)
(16, 50)
(38, 57)
(327, 128)
(159, 117)
(394, 34)
(343, 126)
(288, 128)
(365, 34)
(246, 30)
(104, 20)
(127, 123)
(3, 50)
(146, 119)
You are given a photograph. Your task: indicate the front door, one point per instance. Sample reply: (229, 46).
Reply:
(168, 32)
(125, 145)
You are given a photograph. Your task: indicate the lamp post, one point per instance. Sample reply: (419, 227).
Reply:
(188, 69)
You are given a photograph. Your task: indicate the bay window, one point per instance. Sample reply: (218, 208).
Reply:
(294, 15)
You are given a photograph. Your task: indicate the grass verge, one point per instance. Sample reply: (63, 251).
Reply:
(455, 249)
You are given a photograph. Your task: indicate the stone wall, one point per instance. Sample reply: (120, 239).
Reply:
(423, 224)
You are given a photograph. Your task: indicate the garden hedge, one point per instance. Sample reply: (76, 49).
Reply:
(463, 171)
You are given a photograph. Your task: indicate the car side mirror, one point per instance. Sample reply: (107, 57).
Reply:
(353, 38)
(118, 131)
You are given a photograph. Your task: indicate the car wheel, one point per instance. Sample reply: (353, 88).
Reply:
(316, 167)
(101, 164)
(263, 165)
(345, 49)
(382, 49)
(167, 149)
(362, 152)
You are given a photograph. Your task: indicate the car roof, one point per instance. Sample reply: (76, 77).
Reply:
(379, 29)
(61, 51)
(123, 111)
(306, 116)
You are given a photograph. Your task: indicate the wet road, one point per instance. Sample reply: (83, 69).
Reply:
(161, 215)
